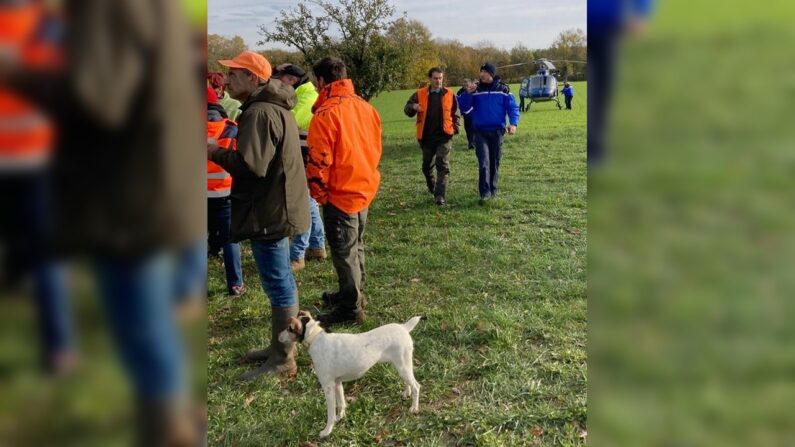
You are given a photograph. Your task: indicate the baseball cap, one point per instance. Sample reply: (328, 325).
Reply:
(289, 69)
(251, 61)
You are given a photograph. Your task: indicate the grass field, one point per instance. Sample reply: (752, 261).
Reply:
(501, 357)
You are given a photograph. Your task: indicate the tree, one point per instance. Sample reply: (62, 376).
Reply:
(459, 61)
(417, 51)
(570, 45)
(353, 30)
(220, 47)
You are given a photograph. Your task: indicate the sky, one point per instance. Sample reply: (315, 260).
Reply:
(534, 23)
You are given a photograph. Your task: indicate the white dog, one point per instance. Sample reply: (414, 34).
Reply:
(344, 357)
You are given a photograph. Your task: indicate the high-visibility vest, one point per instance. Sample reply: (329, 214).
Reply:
(219, 182)
(26, 134)
(447, 111)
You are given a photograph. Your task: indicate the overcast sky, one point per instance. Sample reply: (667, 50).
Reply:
(534, 23)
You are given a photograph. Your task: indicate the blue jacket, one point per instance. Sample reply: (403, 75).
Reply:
(568, 92)
(489, 105)
(610, 14)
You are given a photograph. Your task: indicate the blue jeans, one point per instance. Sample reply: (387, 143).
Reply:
(190, 277)
(488, 148)
(219, 228)
(314, 237)
(138, 297)
(273, 263)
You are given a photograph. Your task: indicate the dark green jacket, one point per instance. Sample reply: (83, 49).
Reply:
(269, 193)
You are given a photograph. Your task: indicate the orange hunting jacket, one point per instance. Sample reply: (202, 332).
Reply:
(344, 149)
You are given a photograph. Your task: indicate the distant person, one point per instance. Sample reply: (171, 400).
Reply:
(344, 153)
(568, 94)
(217, 81)
(607, 22)
(311, 244)
(491, 102)
(437, 114)
(269, 196)
(465, 84)
(219, 201)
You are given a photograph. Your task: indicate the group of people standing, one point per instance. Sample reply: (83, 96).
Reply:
(296, 149)
(485, 105)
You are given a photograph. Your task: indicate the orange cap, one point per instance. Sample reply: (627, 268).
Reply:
(251, 61)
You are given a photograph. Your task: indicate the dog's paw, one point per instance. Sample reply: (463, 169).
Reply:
(406, 393)
(340, 416)
(415, 410)
(325, 433)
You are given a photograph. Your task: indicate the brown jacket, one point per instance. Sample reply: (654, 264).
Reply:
(269, 194)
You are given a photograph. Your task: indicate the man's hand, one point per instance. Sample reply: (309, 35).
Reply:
(416, 107)
(511, 130)
(211, 147)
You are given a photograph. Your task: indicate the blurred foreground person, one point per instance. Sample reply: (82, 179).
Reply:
(607, 22)
(128, 184)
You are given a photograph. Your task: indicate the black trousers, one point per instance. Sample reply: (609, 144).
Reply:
(602, 49)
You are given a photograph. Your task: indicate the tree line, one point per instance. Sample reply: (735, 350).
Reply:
(387, 53)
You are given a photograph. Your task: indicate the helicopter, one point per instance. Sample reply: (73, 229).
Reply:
(542, 86)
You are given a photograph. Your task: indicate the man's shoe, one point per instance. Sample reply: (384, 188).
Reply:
(315, 254)
(330, 299)
(342, 315)
(237, 291)
(297, 264)
(440, 201)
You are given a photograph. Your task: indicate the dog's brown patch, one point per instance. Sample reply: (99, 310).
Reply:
(304, 313)
(294, 325)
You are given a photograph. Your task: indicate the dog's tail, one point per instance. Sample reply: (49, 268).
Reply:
(409, 325)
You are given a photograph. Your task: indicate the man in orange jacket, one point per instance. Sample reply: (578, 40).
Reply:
(437, 121)
(344, 151)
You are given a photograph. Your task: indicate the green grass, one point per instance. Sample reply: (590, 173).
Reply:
(502, 356)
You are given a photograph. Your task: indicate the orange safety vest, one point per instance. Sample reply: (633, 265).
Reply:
(26, 134)
(219, 182)
(447, 111)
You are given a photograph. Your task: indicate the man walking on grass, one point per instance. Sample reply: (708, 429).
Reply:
(437, 114)
(491, 102)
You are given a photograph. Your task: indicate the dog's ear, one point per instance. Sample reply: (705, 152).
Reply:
(304, 313)
(295, 326)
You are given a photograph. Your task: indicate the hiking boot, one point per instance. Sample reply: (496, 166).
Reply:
(332, 299)
(297, 265)
(342, 315)
(237, 291)
(279, 358)
(315, 254)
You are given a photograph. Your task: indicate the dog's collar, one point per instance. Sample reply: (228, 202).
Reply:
(312, 335)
